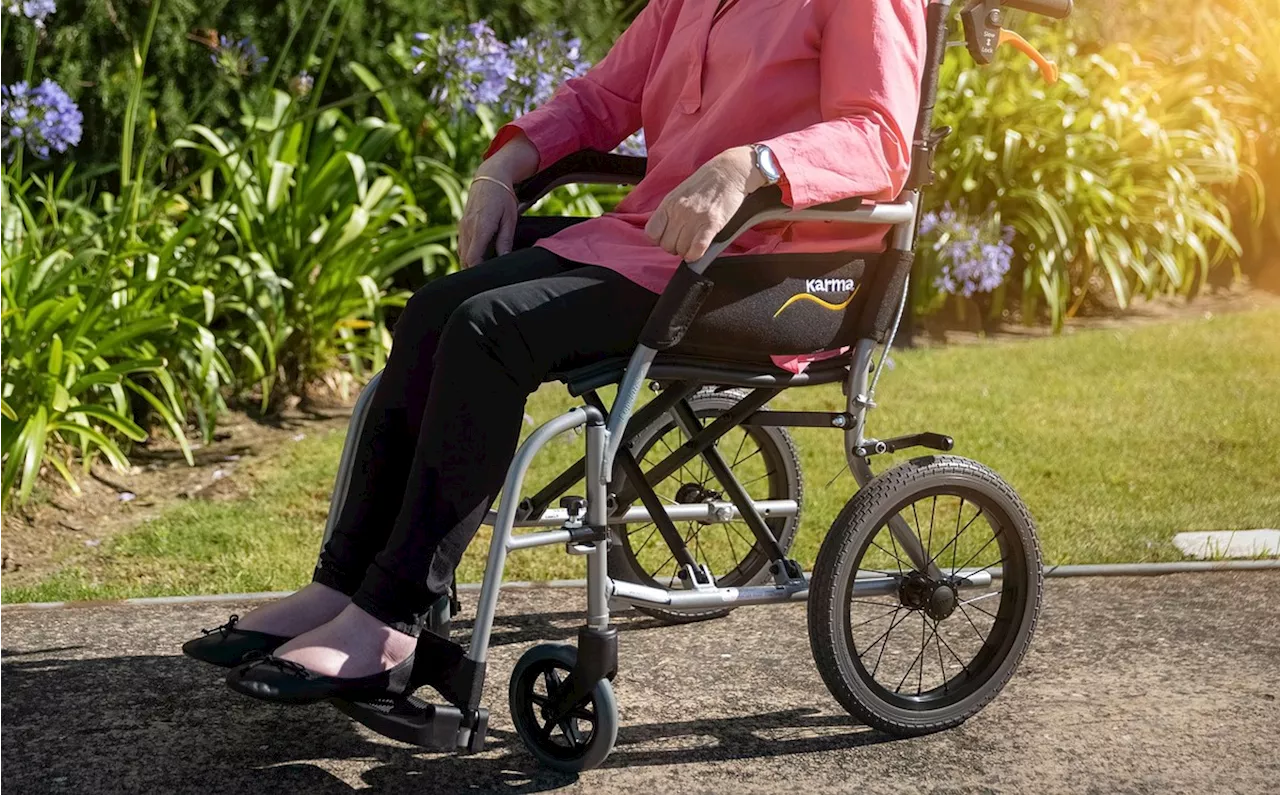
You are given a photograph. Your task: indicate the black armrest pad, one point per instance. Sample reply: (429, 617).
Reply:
(587, 167)
(770, 198)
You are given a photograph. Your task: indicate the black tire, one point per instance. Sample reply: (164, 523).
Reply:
(565, 747)
(733, 564)
(860, 539)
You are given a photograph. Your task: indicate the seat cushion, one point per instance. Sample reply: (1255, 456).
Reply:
(797, 304)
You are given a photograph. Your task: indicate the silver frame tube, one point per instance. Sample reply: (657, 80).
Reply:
(478, 650)
(629, 593)
(713, 512)
(603, 439)
(346, 462)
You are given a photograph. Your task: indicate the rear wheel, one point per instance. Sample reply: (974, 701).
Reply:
(908, 651)
(762, 458)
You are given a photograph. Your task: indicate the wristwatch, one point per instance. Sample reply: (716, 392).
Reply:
(766, 164)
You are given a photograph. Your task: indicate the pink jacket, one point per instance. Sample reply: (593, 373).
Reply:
(831, 86)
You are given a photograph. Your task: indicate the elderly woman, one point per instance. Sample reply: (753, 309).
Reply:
(816, 96)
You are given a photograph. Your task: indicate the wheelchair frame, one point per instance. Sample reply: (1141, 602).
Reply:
(583, 525)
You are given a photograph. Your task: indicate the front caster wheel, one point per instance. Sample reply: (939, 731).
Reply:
(581, 740)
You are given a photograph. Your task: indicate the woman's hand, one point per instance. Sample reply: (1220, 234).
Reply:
(491, 212)
(691, 214)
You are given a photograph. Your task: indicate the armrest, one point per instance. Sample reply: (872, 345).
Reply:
(768, 202)
(586, 167)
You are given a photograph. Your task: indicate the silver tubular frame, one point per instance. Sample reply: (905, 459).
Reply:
(603, 438)
(346, 462)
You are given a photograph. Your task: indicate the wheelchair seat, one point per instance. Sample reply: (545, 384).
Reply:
(720, 372)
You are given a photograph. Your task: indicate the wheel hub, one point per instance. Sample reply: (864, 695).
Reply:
(920, 592)
(689, 493)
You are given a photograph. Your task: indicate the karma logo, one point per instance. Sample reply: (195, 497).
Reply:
(812, 286)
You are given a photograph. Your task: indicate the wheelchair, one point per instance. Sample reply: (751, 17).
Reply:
(692, 501)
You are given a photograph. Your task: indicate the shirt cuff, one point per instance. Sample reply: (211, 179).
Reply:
(794, 182)
(544, 131)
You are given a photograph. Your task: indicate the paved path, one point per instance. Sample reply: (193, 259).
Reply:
(1158, 685)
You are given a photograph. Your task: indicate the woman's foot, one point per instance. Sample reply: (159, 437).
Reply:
(354, 644)
(354, 657)
(268, 628)
(301, 611)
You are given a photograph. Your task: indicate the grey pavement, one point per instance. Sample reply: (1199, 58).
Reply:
(1143, 685)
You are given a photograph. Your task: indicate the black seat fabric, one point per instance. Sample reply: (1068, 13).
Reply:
(764, 305)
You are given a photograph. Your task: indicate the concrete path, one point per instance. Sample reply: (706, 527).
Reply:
(1159, 685)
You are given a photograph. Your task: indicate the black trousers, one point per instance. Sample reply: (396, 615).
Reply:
(445, 419)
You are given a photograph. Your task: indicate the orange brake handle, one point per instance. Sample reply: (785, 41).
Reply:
(1047, 68)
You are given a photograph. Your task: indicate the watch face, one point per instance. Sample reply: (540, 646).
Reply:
(768, 164)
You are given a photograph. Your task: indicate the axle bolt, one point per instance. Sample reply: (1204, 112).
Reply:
(838, 421)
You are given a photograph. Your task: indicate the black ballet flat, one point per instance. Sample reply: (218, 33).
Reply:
(227, 647)
(286, 682)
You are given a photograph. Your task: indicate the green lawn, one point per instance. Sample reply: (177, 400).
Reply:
(1116, 439)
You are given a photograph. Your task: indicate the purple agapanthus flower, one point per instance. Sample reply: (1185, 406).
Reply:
(634, 146)
(237, 58)
(44, 119)
(474, 67)
(35, 10)
(973, 256)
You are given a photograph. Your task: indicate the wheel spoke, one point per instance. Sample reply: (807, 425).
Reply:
(570, 732)
(979, 608)
(649, 538)
(758, 478)
(917, 522)
(892, 609)
(976, 631)
(963, 665)
(738, 453)
(876, 604)
(988, 566)
(683, 467)
(942, 668)
(884, 645)
(894, 555)
(957, 538)
(955, 548)
(749, 540)
(759, 451)
(894, 542)
(729, 537)
(885, 634)
(933, 512)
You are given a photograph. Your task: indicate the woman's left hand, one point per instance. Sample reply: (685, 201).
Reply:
(691, 214)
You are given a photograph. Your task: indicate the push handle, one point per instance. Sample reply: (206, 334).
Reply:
(1058, 9)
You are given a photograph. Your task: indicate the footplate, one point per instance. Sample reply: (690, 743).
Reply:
(460, 724)
(414, 721)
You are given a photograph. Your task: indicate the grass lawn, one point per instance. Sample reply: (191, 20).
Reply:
(1116, 440)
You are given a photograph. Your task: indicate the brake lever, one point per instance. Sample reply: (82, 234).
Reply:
(1048, 69)
(984, 31)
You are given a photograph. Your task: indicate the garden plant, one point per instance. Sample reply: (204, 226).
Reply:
(213, 206)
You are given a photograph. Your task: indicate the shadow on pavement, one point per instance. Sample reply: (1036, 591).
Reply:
(168, 724)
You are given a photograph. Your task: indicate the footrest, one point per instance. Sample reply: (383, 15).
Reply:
(414, 721)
